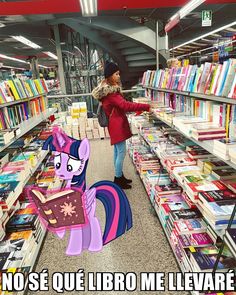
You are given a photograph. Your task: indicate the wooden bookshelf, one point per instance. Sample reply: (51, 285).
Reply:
(11, 103)
(29, 124)
(195, 95)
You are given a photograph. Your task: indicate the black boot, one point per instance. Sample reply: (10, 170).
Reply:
(126, 179)
(122, 184)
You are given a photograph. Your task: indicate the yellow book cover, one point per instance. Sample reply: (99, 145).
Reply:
(38, 86)
(28, 89)
(163, 85)
(227, 120)
(213, 79)
(13, 89)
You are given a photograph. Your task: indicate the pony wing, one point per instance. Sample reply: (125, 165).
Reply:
(90, 196)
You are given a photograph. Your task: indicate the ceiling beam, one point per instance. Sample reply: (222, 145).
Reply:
(96, 38)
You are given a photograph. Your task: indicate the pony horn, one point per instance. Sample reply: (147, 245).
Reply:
(60, 138)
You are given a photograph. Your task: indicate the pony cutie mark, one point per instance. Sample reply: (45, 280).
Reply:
(71, 158)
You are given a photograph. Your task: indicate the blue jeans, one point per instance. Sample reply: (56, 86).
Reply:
(119, 156)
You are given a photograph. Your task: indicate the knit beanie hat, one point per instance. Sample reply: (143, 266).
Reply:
(110, 69)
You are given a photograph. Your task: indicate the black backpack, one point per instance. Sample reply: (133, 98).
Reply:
(102, 117)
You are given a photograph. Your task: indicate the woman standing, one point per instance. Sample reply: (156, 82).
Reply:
(116, 107)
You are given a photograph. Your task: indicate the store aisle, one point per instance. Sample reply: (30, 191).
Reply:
(143, 249)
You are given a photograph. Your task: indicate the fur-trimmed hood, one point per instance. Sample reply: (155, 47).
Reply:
(103, 90)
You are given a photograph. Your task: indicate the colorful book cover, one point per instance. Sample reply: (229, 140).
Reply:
(22, 220)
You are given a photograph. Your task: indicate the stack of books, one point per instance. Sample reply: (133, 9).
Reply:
(209, 165)
(147, 162)
(186, 123)
(221, 147)
(80, 127)
(208, 131)
(21, 241)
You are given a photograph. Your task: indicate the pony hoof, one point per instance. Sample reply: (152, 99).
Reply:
(95, 248)
(73, 252)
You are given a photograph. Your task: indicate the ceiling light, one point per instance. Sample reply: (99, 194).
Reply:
(89, 7)
(205, 35)
(185, 10)
(189, 7)
(13, 58)
(10, 67)
(41, 66)
(26, 42)
(52, 55)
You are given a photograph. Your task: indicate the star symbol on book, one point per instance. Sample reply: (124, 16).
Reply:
(68, 209)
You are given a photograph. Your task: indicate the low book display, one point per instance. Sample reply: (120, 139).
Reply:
(63, 209)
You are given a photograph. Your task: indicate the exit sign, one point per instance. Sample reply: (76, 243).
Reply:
(206, 18)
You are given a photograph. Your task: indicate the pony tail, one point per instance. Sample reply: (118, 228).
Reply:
(117, 208)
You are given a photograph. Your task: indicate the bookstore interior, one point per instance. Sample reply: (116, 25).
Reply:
(156, 79)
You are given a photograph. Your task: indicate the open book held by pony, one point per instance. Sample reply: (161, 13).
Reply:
(74, 207)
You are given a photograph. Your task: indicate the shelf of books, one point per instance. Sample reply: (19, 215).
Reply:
(9, 136)
(23, 164)
(192, 191)
(16, 91)
(209, 81)
(209, 120)
(23, 129)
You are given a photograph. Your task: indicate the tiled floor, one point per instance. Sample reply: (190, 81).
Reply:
(143, 249)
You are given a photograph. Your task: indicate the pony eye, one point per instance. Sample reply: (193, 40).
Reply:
(73, 165)
(58, 165)
(57, 161)
(69, 168)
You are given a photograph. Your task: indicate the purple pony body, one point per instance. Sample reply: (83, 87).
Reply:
(70, 160)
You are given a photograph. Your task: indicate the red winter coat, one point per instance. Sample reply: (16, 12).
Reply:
(116, 107)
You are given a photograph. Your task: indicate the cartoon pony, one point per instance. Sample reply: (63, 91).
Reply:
(70, 161)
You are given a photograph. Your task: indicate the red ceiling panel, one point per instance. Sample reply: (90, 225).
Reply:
(67, 6)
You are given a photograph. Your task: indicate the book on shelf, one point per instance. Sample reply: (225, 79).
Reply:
(218, 213)
(203, 261)
(188, 226)
(199, 154)
(231, 184)
(215, 196)
(21, 222)
(226, 173)
(209, 165)
(196, 240)
(204, 185)
(172, 188)
(207, 132)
